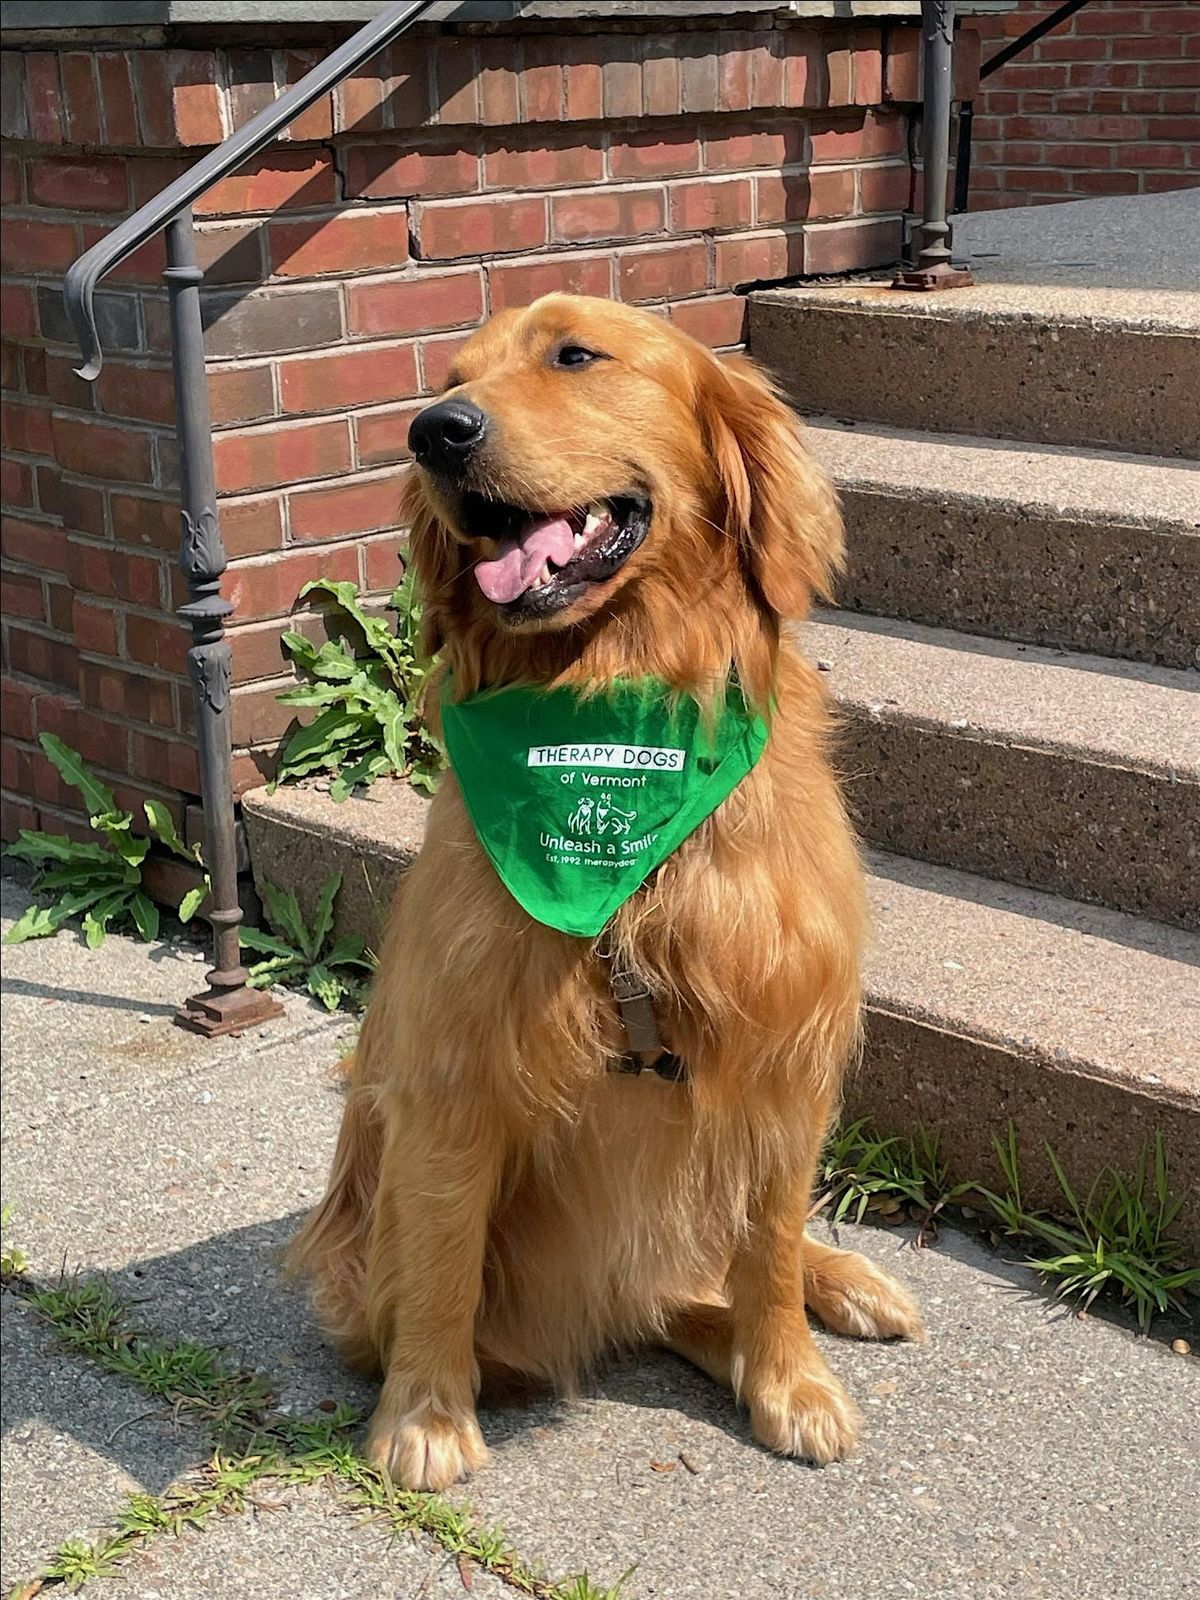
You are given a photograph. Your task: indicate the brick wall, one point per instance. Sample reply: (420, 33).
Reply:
(455, 177)
(1107, 103)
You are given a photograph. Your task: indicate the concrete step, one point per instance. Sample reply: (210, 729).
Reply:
(988, 1003)
(1064, 365)
(1041, 543)
(985, 1002)
(1063, 772)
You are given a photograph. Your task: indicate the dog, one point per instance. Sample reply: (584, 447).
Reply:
(502, 1204)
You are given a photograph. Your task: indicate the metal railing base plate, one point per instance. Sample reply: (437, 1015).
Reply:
(931, 278)
(218, 1011)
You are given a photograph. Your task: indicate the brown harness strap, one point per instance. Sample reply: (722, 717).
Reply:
(646, 1051)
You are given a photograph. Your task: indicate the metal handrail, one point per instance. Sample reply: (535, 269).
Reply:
(966, 114)
(80, 283)
(229, 1005)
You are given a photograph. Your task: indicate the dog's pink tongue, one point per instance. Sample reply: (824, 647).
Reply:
(520, 560)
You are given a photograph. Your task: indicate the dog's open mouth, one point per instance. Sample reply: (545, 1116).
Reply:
(544, 562)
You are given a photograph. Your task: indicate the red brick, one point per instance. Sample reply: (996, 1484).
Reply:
(146, 393)
(543, 83)
(10, 179)
(662, 79)
(1104, 183)
(142, 522)
(21, 596)
(172, 763)
(701, 81)
(1150, 155)
(520, 283)
(452, 228)
(116, 94)
(35, 371)
(251, 78)
(354, 241)
(97, 451)
(379, 171)
(767, 72)
(114, 574)
(130, 694)
(18, 311)
(735, 72)
(36, 656)
(732, 149)
(58, 606)
(383, 562)
(30, 245)
(851, 246)
(839, 70)
(792, 196)
(1171, 75)
(607, 214)
(658, 272)
(716, 321)
(1078, 155)
(10, 366)
(81, 102)
(457, 70)
(317, 121)
(710, 203)
(902, 64)
(883, 188)
(14, 816)
(652, 153)
(622, 69)
(252, 527)
(49, 489)
(351, 377)
(539, 161)
(26, 428)
(16, 484)
(383, 435)
(195, 96)
(271, 587)
(868, 66)
(79, 183)
(345, 508)
(83, 508)
(437, 357)
(16, 709)
(95, 627)
(360, 100)
(876, 135)
(758, 257)
(240, 394)
(498, 83)
(284, 178)
(418, 304)
(264, 458)
(585, 78)
(43, 96)
(157, 642)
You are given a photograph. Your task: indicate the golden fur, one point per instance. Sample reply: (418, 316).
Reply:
(500, 1202)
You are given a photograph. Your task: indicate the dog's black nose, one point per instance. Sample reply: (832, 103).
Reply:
(443, 436)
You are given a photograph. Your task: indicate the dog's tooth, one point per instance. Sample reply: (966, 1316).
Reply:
(591, 523)
(544, 575)
(579, 541)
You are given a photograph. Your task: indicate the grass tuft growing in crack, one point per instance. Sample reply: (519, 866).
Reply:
(254, 1444)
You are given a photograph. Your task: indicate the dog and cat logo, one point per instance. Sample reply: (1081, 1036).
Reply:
(600, 826)
(601, 813)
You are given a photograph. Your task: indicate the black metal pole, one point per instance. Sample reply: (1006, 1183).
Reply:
(228, 1005)
(933, 269)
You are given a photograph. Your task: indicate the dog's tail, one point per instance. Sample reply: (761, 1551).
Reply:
(331, 1247)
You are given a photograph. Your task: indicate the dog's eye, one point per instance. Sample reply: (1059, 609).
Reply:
(575, 355)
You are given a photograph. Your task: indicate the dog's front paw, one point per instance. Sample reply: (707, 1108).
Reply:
(853, 1297)
(811, 1416)
(425, 1448)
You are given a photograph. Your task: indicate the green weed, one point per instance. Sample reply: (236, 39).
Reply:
(862, 1171)
(307, 958)
(370, 720)
(100, 882)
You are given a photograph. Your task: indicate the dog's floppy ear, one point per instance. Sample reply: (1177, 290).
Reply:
(436, 557)
(779, 505)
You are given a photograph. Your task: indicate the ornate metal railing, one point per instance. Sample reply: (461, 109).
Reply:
(229, 1005)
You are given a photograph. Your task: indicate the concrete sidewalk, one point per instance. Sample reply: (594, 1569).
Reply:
(1020, 1453)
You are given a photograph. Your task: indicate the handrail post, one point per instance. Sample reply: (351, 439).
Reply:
(934, 269)
(228, 1005)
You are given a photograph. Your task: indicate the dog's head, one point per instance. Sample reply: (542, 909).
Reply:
(589, 462)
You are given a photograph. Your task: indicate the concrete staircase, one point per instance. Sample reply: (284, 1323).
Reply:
(1016, 668)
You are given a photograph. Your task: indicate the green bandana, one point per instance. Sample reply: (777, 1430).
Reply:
(576, 801)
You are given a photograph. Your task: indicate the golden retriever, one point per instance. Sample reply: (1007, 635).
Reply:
(500, 1202)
